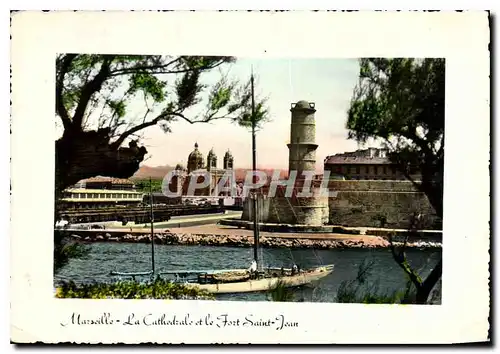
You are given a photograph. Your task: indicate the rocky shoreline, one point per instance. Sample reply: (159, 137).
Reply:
(172, 238)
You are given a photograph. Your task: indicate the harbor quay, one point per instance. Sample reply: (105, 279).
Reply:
(220, 235)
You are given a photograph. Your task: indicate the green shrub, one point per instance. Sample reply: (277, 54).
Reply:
(358, 291)
(66, 249)
(158, 289)
(280, 292)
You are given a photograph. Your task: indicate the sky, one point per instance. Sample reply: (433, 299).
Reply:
(328, 83)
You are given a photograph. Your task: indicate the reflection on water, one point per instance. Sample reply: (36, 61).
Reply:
(129, 257)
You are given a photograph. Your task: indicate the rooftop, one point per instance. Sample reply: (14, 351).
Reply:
(302, 104)
(341, 160)
(365, 156)
(101, 179)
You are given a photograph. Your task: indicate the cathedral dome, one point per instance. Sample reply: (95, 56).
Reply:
(195, 159)
(195, 154)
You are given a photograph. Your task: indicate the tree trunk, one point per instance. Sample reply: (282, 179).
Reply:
(84, 154)
(426, 287)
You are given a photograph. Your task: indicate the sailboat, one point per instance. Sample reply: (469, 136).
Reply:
(254, 279)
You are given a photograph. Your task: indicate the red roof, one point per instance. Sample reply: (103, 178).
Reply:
(356, 160)
(113, 180)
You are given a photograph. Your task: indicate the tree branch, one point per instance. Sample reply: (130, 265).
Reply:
(155, 121)
(65, 64)
(89, 89)
(400, 258)
(434, 276)
(134, 69)
(144, 125)
(403, 169)
(161, 69)
(137, 128)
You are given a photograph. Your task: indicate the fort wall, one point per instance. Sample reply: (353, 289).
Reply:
(357, 203)
(390, 204)
(294, 210)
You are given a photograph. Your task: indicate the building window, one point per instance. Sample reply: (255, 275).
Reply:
(375, 170)
(358, 170)
(385, 170)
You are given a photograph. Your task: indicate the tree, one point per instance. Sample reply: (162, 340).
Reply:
(423, 287)
(65, 249)
(358, 290)
(400, 102)
(93, 98)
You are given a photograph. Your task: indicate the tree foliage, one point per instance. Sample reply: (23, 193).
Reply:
(95, 97)
(144, 185)
(66, 249)
(103, 101)
(400, 102)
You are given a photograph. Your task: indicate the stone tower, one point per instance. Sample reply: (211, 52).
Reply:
(303, 207)
(302, 147)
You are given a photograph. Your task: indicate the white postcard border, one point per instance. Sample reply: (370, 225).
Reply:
(462, 38)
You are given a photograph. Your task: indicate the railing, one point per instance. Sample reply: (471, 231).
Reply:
(136, 214)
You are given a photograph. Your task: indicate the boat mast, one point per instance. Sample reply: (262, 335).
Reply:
(254, 168)
(152, 231)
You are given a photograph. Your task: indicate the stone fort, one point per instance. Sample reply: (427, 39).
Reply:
(369, 201)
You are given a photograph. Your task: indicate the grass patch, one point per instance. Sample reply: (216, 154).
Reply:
(281, 293)
(157, 289)
(359, 291)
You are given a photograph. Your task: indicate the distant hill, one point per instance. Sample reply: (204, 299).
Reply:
(159, 172)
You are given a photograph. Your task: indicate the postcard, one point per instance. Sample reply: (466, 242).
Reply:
(250, 177)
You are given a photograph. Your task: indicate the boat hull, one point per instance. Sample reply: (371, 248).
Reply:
(266, 284)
